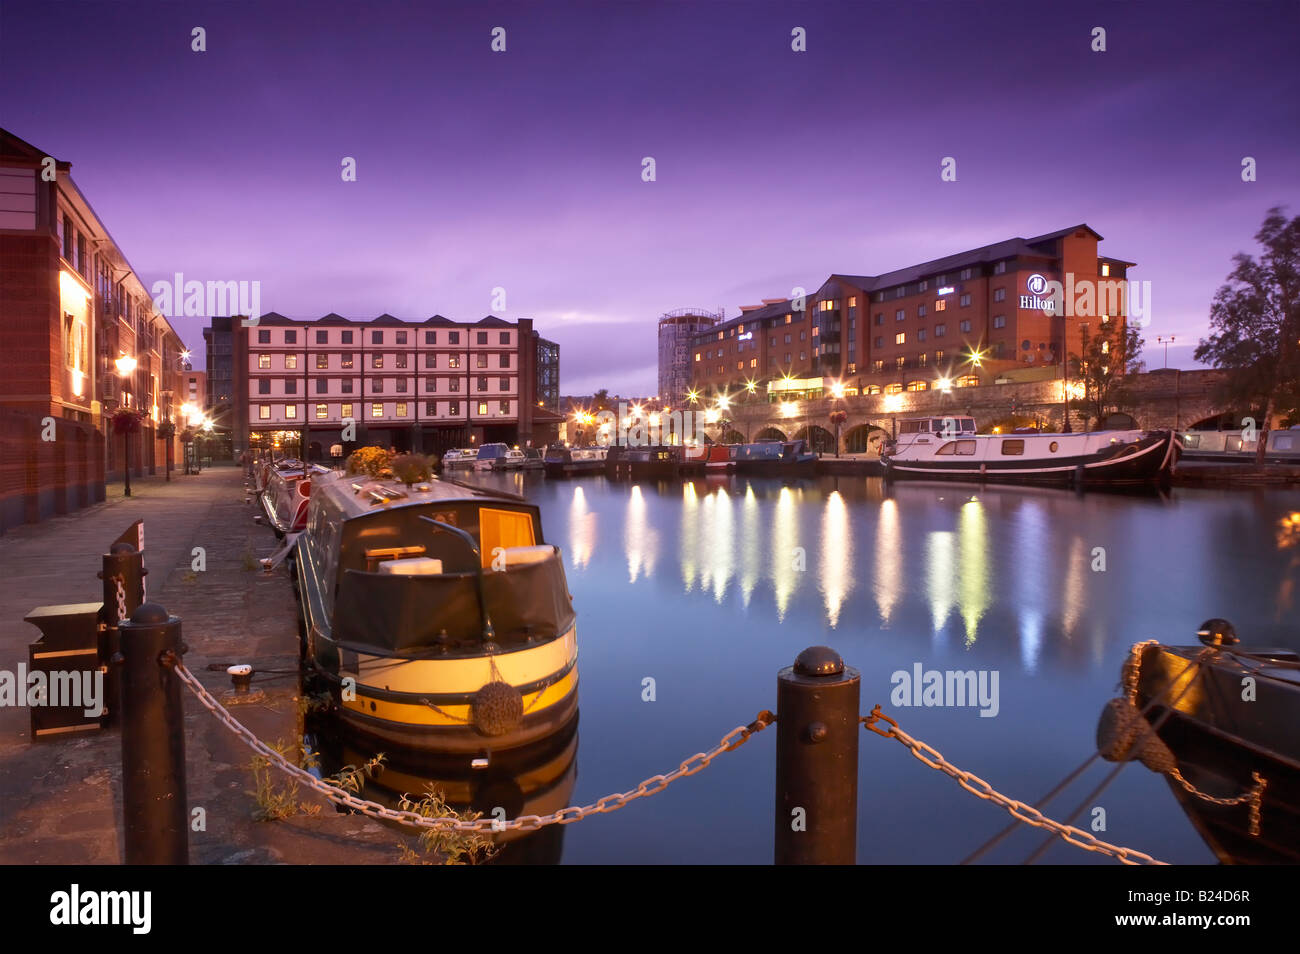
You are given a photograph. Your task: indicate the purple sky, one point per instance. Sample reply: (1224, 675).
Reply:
(523, 169)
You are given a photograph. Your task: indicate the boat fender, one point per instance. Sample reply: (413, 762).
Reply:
(1123, 734)
(498, 708)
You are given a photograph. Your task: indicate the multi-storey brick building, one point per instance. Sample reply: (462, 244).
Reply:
(421, 386)
(971, 318)
(677, 331)
(71, 305)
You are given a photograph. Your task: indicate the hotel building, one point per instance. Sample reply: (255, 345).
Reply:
(415, 386)
(677, 331)
(71, 306)
(976, 317)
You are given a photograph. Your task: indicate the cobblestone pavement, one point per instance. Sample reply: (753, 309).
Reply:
(60, 802)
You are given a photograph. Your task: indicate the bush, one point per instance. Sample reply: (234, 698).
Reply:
(371, 461)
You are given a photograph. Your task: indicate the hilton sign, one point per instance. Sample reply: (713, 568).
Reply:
(1088, 297)
(1036, 286)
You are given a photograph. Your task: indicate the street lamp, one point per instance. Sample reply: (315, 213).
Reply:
(1166, 342)
(125, 368)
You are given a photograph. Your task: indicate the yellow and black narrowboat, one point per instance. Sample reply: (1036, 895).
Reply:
(439, 615)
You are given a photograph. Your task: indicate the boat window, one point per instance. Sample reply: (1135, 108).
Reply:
(503, 529)
(1054, 447)
(1012, 447)
(1282, 442)
(962, 448)
(968, 426)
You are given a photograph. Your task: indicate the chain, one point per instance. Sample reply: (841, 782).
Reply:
(1132, 671)
(982, 789)
(564, 816)
(1254, 798)
(121, 599)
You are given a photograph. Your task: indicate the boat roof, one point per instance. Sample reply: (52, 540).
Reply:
(357, 496)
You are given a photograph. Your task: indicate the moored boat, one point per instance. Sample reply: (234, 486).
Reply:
(773, 458)
(459, 457)
(439, 615)
(533, 459)
(286, 495)
(1224, 721)
(721, 459)
(1097, 457)
(1232, 447)
(492, 457)
(563, 461)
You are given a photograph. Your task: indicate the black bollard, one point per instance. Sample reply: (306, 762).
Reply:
(155, 815)
(125, 561)
(817, 733)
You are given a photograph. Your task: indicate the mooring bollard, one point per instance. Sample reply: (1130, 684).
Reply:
(122, 562)
(154, 811)
(817, 733)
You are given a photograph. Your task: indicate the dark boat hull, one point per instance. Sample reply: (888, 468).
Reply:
(1219, 742)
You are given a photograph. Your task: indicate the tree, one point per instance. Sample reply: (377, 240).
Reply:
(600, 400)
(1255, 320)
(1108, 357)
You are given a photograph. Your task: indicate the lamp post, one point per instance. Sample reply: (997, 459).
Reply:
(125, 368)
(167, 432)
(1160, 339)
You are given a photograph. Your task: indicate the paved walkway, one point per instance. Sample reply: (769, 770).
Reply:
(60, 802)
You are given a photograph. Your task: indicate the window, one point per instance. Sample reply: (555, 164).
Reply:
(67, 238)
(453, 337)
(1000, 268)
(345, 361)
(322, 337)
(505, 407)
(771, 342)
(453, 407)
(264, 337)
(920, 311)
(787, 357)
(999, 294)
(1013, 448)
(878, 366)
(431, 384)
(290, 386)
(894, 388)
(900, 362)
(482, 337)
(291, 337)
(920, 335)
(263, 385)
(697, 356)
(377, 385)
(872, 389)
(430, 337)
(322, 362)
(787, 339)
(999, 321)
(965, 274)
(938, 354)
(482, 408)
(322, 411)
(803, 355)
(965, 301)
(376, 360)
(401, 409)
(900, 338)
(400, 359)
(898, 292)
(347, 337)
(322, 385)
(482, 384)
(962, 448)
(965, 326)
(482, 361)
(290, 411)
(264, 361)
(924, 286)
(505, 337)
(879, 341)
(290, 362)
(376, 337)
(376, 410)
(505, 384)
(347, 385)
(346, 410)
(941, 304)
(401, 385)
(803, 336)
(969, 381)
(880, 318)
(940, 330)
(401, 337)
(921, 360)
(900, 314)
(430, 408)
(917, 386)
(453, 361)
(1105, 270)
(453, 384)
(505, 361)
(264, 412)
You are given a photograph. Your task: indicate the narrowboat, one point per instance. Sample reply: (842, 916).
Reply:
(563, 461)
(720, 459)
(773, 458)
(459, 457)
(287, 492)
(1230, 447)
(439, 614)
(1216, 740)
(1099, 457)
(653, 461)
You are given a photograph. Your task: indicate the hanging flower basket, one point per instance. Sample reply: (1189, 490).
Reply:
(839, 417)
(166, 431)
(126, 421)
(371, 461)
(187, 435)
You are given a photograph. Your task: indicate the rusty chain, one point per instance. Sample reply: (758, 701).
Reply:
(982, 789)
(564, 816)
(121, 599)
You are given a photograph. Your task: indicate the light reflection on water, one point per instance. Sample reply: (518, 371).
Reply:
(948, 576)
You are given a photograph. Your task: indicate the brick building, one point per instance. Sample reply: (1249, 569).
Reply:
(972, 318)
(70, 306)
(417, 386)
(677, 331)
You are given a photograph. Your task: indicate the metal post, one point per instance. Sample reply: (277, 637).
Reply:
(126, 443)
(817, 733)
(126, 562)
(155, 814)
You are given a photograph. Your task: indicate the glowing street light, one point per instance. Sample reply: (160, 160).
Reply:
(711, 416)
(693, 396)
(724, 403)
(944, 385)
(789, 409)
(837, 389)
(125, 365)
